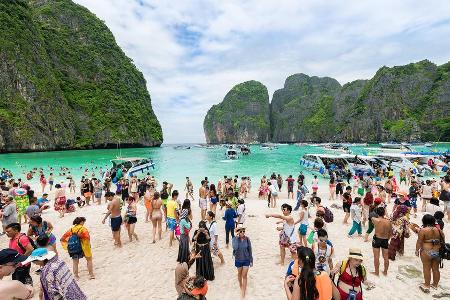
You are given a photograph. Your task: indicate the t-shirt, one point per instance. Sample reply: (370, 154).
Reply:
(241, 213)
(355, 211)
(32, 210)
(347, 198)
(172, 205)
(9, 214)
(42, 201)
(290, 182)
(181, 273)
(24, 241)
(273, 189)
(212, 227)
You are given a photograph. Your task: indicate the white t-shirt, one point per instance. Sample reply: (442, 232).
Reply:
(273, 190)
(212, 227)
(241, 212)
(274, 182)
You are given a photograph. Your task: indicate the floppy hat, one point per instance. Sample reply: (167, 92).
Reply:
(240, 227)
(40, 254)
(402, 193)
(8, 256)
(355, 253)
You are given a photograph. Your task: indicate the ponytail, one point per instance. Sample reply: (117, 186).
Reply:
(307, 279)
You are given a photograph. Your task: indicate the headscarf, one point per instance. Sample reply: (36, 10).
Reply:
(184, 213)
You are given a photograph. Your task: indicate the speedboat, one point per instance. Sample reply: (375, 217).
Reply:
(268, 146)
(231, 153)
(245, 150)
(130, 166)
(337, 148)
(324, 163)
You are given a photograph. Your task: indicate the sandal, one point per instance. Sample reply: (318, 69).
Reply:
(424, 289)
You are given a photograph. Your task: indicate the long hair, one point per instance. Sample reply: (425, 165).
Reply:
(307, 280)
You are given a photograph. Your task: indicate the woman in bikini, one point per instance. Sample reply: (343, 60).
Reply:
(427, 248)
(148, 197)
(130, 218)
(156, 215)
(213, 199)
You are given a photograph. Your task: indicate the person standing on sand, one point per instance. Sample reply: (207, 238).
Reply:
(116, 218)
(428, 244)
(189, 188)
(212, 228)
(290, 187)
(85, 243)
(21, 243)
(148, 197)
(279, 182)
(243, 257)
(347, 203)
(130, 218)
(355, 211)
(171, 219)
(287, 237)
(383, 231)
(273, 192)
(202, 202)
(12, 289)
(204, 265)
(156, 216)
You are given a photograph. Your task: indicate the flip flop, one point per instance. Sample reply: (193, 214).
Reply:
(424, 289)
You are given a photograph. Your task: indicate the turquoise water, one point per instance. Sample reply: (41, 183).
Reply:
(174, 165)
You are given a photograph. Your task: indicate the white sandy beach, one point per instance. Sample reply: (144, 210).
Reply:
(142, 270)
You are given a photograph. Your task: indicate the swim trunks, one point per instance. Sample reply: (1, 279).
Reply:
(202, 203)
(346, 207)
(171, 223)
(378, 243)
(339, 189)
(115, 223)
(213, 200)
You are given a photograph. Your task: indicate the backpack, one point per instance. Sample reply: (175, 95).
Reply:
(444, 251)
(29, 239)
(328, 217)
(74, 244)
(344, 266)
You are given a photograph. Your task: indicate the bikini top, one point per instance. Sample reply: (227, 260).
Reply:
(350, 279)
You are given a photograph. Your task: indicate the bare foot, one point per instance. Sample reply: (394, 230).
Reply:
(385, 273)
(91, 276)
(153, 242)
(374, 273)
(77, 277)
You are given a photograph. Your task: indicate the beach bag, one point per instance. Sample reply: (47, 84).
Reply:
(310, 238)
(328, 217)
(74, 244)
(29, 239)
(285, 240)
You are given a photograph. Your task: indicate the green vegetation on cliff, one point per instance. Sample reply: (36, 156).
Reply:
(64, 82)
(242, 116)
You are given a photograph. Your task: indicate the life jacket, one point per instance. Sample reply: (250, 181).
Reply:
(295, 270)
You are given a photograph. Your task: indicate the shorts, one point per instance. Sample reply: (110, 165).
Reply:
(446, 206)
(378, 243)
(77, 255)
(171, 223)
(131, 220)
(303, 229)
(98, 195)
(214, 250)
(202, 203)
(87, 194)
(50, 182)
(290, 189)
(339, 189)
(275, 194)
(413, 201)
(213, 200)
(115, 223)
(241, 263)
(346, 207)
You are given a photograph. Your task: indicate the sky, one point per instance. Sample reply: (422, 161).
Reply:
(192, 52)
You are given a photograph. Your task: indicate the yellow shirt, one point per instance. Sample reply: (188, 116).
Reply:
(172, 205)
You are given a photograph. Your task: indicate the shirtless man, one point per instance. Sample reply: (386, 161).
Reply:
(116, 218)
(12, 289)
(383, 231)
(202, 202)
(189, 189)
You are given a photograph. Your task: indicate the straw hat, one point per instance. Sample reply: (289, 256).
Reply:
(402, 193)
(355, 253)
(239, 227)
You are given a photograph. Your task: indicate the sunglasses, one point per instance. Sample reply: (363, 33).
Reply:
(241, 231)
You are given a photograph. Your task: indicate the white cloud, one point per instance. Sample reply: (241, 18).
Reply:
(193, 52)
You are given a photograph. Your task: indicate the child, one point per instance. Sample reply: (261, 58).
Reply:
(303, 220)
(80, 202)
(355, 211)
(197, 286)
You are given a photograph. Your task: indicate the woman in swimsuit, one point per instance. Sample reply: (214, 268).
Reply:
(148, 197)
(389, 187)
(213, 199)
(332, 187)
(130, 218)
(427, 247)
(156, 215)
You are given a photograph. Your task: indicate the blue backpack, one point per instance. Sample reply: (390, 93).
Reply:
(74, 244)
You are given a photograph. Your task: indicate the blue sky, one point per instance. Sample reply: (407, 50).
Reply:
(193, 52)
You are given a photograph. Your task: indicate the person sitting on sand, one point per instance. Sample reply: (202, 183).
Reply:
(351, 274)
(383, 231)
(84, 238)
(114, 208)
(428, 244)
(182, 274)
(310, 283)
(287, 236)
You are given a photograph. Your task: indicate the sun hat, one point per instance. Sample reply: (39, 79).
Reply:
(355, 253)
(240, 227)
(40, 254)
(402, 193)
(377, 200)
(8, 256)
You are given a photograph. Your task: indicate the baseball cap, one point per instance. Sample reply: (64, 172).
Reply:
(8, 256)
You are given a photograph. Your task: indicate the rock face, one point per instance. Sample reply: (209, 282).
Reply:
(404, 103)
(301, 111)
(242, 116)
(65, 84)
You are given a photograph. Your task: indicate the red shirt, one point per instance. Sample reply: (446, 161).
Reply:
(24, 241)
